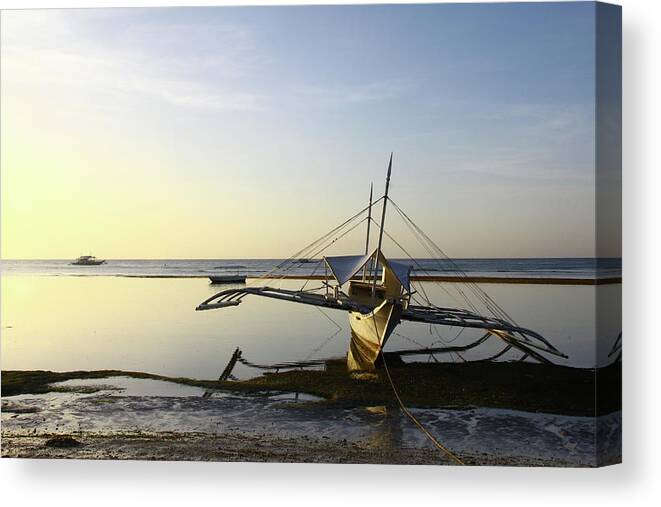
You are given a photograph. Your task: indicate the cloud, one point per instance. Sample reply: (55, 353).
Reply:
(517, 143)
(43, 51)
(355, 94)
(513, 170)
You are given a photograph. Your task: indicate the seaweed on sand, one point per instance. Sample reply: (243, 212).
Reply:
(522, 386)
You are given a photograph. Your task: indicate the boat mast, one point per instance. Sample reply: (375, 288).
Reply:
(369, 221)
(383, 219)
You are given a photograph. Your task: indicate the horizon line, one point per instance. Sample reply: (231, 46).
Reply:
(279, 258)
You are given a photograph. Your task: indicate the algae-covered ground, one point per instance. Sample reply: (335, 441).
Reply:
(488, 413)
(518, 386)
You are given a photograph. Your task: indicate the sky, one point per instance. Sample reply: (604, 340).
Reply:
(249, 132)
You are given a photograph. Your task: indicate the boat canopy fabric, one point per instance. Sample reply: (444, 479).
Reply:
(344, 267)
(402, 272)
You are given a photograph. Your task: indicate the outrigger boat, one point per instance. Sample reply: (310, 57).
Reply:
(377, 294)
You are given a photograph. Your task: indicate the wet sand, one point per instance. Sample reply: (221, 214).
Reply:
(241, 447)
(109, 417)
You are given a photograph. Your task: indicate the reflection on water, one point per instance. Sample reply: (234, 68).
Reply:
(88, 323)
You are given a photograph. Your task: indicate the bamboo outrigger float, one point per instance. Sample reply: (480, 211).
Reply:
(377, 293)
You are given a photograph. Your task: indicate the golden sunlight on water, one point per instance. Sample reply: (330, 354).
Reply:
(64, 323)
(97, 322)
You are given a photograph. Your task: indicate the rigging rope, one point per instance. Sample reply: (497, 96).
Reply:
(301, 252)
(328, 339)
(419, 266)
(314, 271)
(317, 252)
(478, 291)
(432, 254)
(491, 305)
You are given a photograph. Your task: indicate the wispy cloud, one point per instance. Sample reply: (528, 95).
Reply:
(55, 51)
(557, 117)
(326, 95)
(521, 169)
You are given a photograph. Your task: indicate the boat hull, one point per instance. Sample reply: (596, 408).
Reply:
(369, 333)
(219, 279)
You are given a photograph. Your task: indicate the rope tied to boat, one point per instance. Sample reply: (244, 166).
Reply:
(410, 415)
(415, 420)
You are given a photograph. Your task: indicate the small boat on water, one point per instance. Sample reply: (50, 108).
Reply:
(87, 260)
(218, 279)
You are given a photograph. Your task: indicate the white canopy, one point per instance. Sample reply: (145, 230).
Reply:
(344, 267)
(402, 272)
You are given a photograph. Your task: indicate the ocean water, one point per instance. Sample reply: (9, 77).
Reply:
(140, 316)
(66, 323)
(578, 268)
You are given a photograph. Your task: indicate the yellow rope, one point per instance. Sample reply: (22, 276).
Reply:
(415, 421)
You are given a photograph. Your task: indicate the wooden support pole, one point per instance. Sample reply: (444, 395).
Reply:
(230, 366)
(227, 371)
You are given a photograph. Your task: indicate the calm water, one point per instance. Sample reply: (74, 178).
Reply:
(582, 268)
(149, 324)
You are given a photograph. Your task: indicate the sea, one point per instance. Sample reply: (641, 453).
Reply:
(139, 315)
(574, 268)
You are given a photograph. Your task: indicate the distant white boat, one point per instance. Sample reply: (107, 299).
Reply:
(87, 260)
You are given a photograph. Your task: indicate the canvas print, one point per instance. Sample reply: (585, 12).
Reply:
(336, 234)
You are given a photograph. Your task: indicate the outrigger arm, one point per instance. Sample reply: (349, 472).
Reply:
(525, 340)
